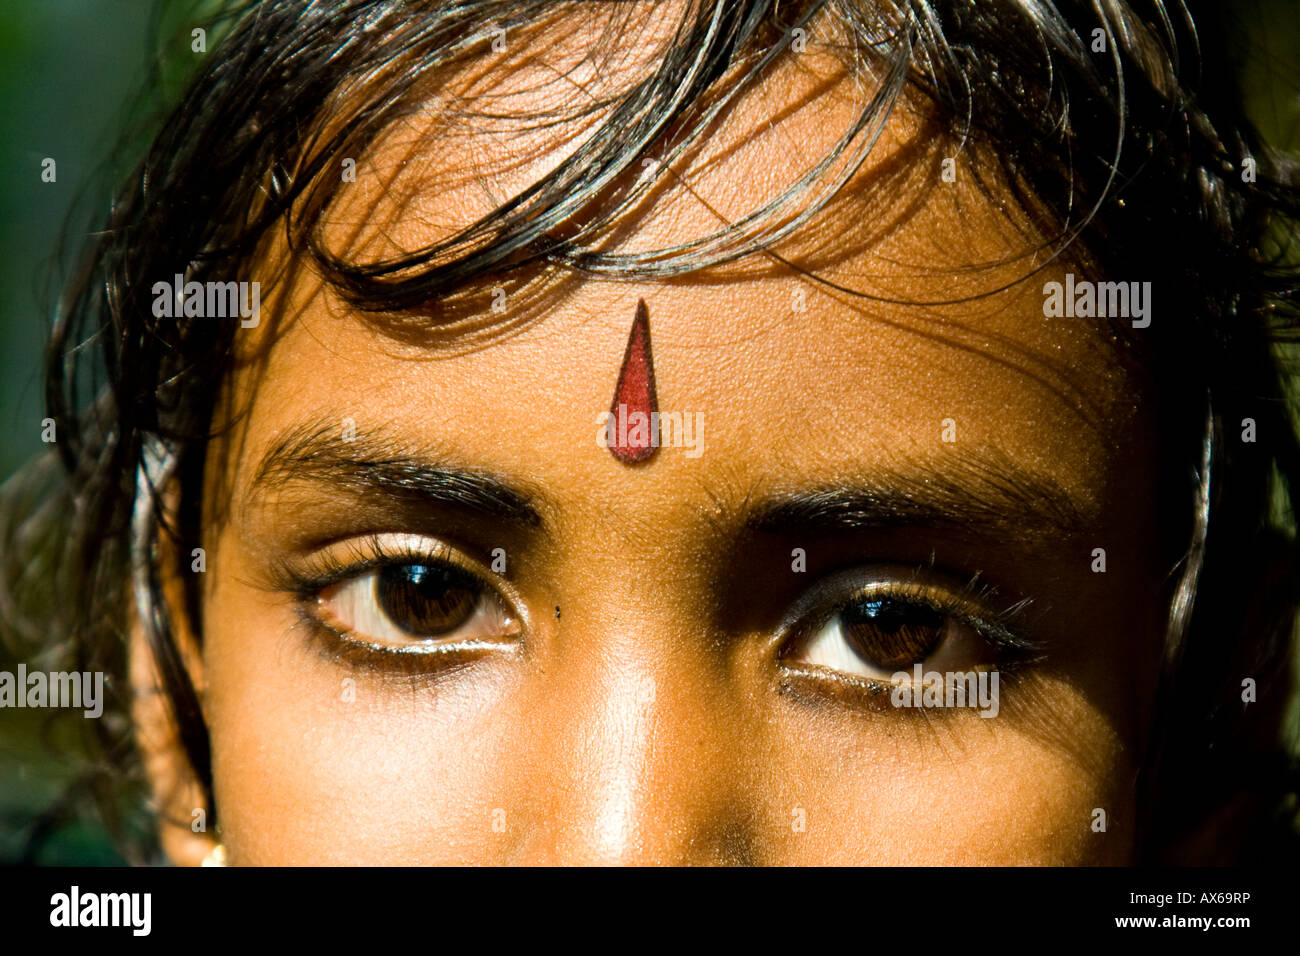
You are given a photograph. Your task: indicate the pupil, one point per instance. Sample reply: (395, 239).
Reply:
(426, 600)
(891, 633)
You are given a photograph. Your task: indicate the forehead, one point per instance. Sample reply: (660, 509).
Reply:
(918, 326)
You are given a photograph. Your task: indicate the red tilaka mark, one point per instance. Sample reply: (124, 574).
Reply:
(630, 436)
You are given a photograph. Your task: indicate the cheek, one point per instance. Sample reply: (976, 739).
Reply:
(320, 763)
(937, 789)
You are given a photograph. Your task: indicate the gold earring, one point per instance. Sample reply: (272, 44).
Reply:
(216, 858)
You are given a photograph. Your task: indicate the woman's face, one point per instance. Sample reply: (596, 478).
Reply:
(442, 624)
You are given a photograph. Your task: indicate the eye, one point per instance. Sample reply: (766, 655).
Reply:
(873, 629)
(413, 604)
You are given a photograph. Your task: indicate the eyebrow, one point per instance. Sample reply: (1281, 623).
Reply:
(976, 492)
(371, 462)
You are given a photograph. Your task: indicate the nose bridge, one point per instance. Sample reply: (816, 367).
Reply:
(637, 776)
(616, 758)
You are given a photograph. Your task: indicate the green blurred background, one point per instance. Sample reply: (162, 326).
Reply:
(68, 70)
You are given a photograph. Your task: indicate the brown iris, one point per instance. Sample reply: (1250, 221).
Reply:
(890, 633)
(426, 600)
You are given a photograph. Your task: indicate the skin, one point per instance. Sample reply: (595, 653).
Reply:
(651, 707)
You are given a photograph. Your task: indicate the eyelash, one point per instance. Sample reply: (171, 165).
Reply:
(969, 605)
(362, 556)
(1003, 630)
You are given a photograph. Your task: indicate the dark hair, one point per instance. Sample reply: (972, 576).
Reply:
(1119, 120)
